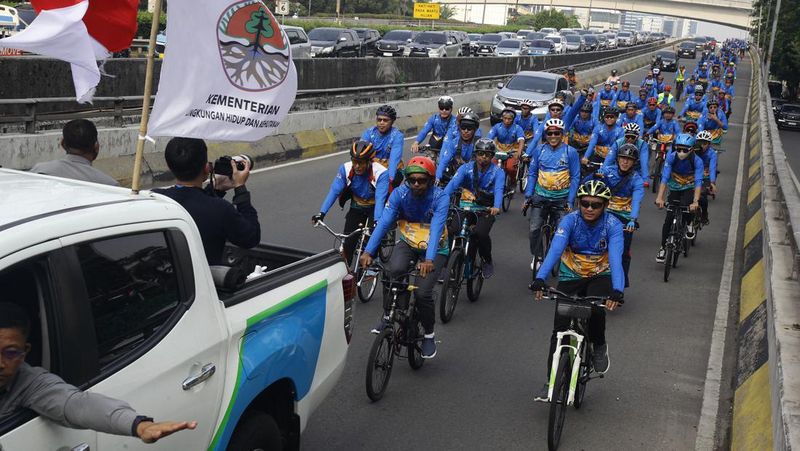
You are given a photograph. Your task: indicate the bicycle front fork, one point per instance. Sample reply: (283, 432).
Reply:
(574, 347)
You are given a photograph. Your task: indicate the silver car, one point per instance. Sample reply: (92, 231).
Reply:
(298, 41)
(511, 47)
(435, 44)
(539, 87)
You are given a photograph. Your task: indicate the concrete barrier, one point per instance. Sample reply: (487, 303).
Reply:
(304, 134)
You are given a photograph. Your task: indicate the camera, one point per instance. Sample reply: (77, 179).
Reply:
(223, 164)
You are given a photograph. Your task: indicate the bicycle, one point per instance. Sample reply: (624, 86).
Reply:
(550, 213)
(676, 243)
(460, 268)
(508, 191)
(404, 333)
(590, 168)
(365, 277)
(430, 152)
(572, 367)
(659, 149)
(522, 173)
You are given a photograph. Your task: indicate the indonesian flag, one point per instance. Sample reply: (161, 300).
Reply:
(80, 33)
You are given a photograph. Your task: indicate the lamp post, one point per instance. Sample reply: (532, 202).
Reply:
(774, 30)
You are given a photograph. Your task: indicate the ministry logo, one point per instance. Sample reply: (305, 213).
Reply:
(254, 51)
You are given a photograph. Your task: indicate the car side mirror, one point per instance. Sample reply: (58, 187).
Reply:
(342, 39)
(451, 42)
(500, 85)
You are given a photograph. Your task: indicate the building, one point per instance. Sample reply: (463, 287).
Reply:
(669, 27)
(475, 13)
(692, 29)
(629, 21)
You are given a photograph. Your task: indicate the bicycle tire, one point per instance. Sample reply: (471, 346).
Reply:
(583, 377)
(368, 286)
(508, 195)
(387, 246)
(685, 247)
(547, 239)
(475, 282)
(415, 360)
(558, 405)
(522, 176)
(667, 262)
(675, 256)
(381, 356)
(454, 273)
(657, 175)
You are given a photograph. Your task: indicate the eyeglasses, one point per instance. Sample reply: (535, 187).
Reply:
(484, 153)
(383, 119)
(467, 127)
(12, 354)
(553, 134)
(631, 136)
(417, 180)
(591, 205)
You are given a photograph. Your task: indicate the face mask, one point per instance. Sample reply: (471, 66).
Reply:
(683, 156)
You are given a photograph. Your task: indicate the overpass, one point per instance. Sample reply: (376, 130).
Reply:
(734, 13)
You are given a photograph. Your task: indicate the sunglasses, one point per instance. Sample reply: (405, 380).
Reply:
(609, 117)
(553, 134)
(12, 354)
(631, 136)
(467, 128)
(383, 119)
(445, 109)
(417, 180)
(683, 149)
(484, 153)
(591, 205)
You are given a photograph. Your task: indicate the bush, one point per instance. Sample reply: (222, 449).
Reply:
(145, 20)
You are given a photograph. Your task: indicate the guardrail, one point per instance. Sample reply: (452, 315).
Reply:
(119, 108)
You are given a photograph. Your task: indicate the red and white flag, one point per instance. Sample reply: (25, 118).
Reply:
(79, 32)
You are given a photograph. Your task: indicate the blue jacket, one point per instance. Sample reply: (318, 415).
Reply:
(664, 127)
(641, 104)
(644, 156)
(626, 192)
(568, 116)
(601, 96)
(437, 125)
(582, 131)
(369, 190)
(603, 137)
(688, 91)
(417, 216)
(623, 96)
(705, 123)
(637, 119)
(586, 250)
(469, 177)
(527, 124)
(554, 173)
(699, 73)
(652, 116)
(450, 150)
(388, 147)
(709, 158)
(680, 175)
(693, 105)
(506, 135)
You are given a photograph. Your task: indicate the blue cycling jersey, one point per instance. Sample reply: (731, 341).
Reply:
(644, 156)
(627, 191)
(581, 131)
(454, 149)
(586, 250)
(666, 127)
(506, 135)
(693, 105)
(437, 125)
(623, 96)
(369, 189)
(568, 116)
(709, 157)
(680, 175)
(602, 139)
(636, 119)
(651, 116)
(388, 147)
(527, 124)
(641, 103)
(554, 173)
(706, 123)
(475, 182)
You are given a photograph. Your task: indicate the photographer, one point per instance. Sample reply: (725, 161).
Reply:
(217, 219)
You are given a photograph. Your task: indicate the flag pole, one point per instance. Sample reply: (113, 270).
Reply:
(148, 89)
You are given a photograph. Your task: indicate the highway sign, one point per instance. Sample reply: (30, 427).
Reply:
(426, 11)
(282, 8)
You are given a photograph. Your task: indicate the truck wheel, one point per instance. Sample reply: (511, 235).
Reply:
(257, 430)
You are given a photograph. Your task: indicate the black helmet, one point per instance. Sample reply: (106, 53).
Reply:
(613, 72)
(470, 120)
(669, 109)
(612, 111)
(629, 151)
(388, 111)
(362, 150)
(698, 89)
(586, 107)
(446, 102)
(485, 145)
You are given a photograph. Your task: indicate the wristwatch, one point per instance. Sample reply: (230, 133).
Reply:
(136, 421)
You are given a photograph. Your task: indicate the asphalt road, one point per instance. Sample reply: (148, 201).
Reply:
(478, 391)
(790, 139)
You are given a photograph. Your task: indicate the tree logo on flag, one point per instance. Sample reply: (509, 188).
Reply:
(254, 52)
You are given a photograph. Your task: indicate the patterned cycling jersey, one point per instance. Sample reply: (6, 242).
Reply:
(554, 173)
(709, 157)
(627, 191)
(527, 124)
(474, 184)
(622, 98)
(388, 147)
(680, 175)
(368, 190)
(581, 132)
(506, 135)
(650, 116)
(454, 150)
(636, 119)
(644, 156)
(602, 139)
(437, 125)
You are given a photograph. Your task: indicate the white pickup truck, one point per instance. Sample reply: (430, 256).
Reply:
(123, 303)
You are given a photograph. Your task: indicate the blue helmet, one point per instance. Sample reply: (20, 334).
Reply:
(684, 139)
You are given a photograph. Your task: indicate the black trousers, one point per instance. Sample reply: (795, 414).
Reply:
(355, 218)
(704, 200)
(686, 197)
(479, 239)
(594, 286)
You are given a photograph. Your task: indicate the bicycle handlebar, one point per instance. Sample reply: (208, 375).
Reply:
(340, 236)
(529, 204)
(556, 295)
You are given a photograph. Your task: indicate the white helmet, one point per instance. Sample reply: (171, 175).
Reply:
(631, 127)
(556, 101)
(445, 102)
(464, 110)
(527, 102)
(705, 135)
(554, 123)
(656, 71)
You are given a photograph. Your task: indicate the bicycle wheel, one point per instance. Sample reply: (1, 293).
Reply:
(522, 176)
(657, 175)
(547, 238)
(475, 282)
(685, 247)
(668, 262)
(368, 285)
(387, 246)
(558, 405)
(675, 255)
(583, 377)
(508, 195)
(448, 297)
(415, 360)
(379, 364)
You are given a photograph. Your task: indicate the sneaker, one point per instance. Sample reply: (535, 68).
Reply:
(487, 269)
(704, 220)
(380, 326)
(600, 360)
(690, 231)
(428, 347)
(541, 395)
(661, 255)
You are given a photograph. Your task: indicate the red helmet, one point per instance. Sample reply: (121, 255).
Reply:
(668, 88)
(419, 165)
(652, 101)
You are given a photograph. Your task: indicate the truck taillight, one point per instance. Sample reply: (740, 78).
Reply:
(349, 291)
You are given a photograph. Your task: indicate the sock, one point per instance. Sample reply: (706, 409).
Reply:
(428, 335)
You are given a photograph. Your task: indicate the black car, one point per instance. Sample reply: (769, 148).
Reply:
(395, 43)
(488, 43)
(777, 104)
(368, 39)
(669, 60)
(335, 42)
(699, 43)
(591, 42)
(788, 116)
(687, 49)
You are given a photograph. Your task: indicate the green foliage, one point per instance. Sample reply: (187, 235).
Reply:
(145, 20)
(785, 64)
(447, 12)
(549, 18)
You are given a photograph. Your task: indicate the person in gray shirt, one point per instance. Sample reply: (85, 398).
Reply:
(26, 387)
(79, 140)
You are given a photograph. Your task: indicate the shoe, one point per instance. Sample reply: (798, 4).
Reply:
(487, 269)
(380, 326)
(646, 184)
(428, 348)
(704, 221)
(600, 360)
(535, 265)
(690, 232)
(541, 395)
(661, 255)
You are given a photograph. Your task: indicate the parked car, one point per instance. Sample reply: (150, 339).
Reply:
(463, 40)
(507, 35)
(511, 47)
(298, 41)
(534, 36)
(612, 40)
(602, 41)
(541, 47)
(522, 34)
(474, 38)
(641, 37)
(547, 31)
(669, 60)
(395, 43)
(699, 43)
(626, 39)
(129, 308)
(539, 87)
(687, 49)
(567, 32)
(574, 43)
(591, 42)
(558, 41)
(435, 44)
(487, 44)
(335, 42)
(583, 32)
(788, 116)
(369, 38)
(777, 104)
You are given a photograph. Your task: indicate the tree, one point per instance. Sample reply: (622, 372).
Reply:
(549, 18)
(785, 64)
(447, 12)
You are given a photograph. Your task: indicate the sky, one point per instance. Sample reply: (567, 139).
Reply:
(720, 32)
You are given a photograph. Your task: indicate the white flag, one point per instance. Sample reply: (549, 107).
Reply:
(227, 73)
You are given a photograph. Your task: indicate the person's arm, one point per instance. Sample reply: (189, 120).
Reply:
(667, 171)
(557, 246)
(572, 113)
(537, 138)
(337, 186)
(396, 154)
(365, 136)
(448, 150)
(638, 195)
(701, 123)
(388, 217)
(381, 193)
(654, 127)
(592, 144)
(457, 180)
(616, 246)
(241, 225)
(640, 123)
(644, 161)
(499, 185)
(699, 168)
(520, 139)
(684, 109)
(533, 174)
(493, 132)
(574, 175)
(424, 132)
(722, 117)
(712, 166)
(611, 155)
(440, 209)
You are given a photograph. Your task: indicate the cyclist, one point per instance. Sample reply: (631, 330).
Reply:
(709, 157)
(680, 77)
(553, 178)
(459, 150)
(419, 209)
(667, 127)
(688, 91)
(632, 135)
(603, 100)
(589, 245)
(631, 117)
(666, 98)
(482, 184)
(572, 79)
(730, 69)
(582, 127)
(716, 81)
(508, 137)
(603, 137)
(366, 184)
(624, 96)
(659, 84)
(386, 140)
(557, 110)
(648, 76)
(613, 78)
(730, 93)
(454, 130)
(641, 101)
(527, 121)
(650, 86)
(627, 192)
(693, 107)
(702, 74)
(652, 114)
(683, 174)
(438, 125)
(712, 119)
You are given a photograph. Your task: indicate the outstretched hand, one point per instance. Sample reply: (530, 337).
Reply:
(150, 432)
